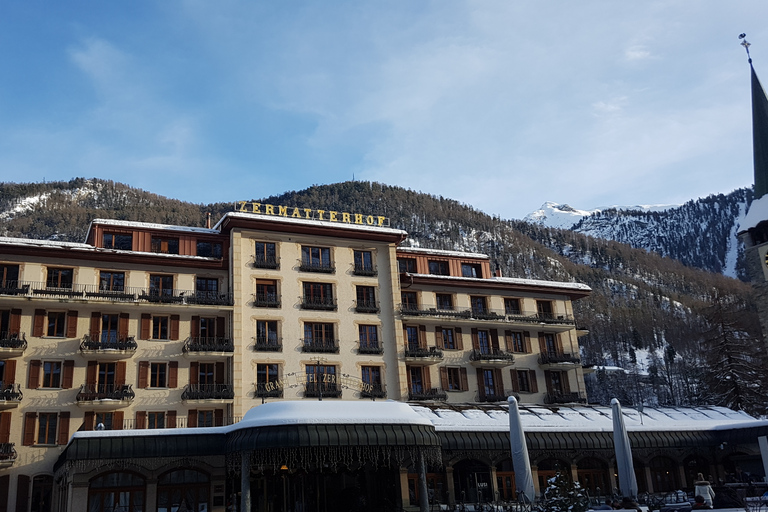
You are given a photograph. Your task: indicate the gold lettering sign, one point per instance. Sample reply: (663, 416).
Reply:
(308, 213)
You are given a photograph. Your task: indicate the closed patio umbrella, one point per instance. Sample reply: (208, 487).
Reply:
(624, 465)
(520, 461)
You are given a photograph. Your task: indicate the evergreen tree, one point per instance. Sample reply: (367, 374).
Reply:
(563, 495)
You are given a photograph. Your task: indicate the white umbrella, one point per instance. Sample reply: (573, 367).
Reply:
(520, 461)
(627, 480)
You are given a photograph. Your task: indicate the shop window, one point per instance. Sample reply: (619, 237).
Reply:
(165, 245)
(116, 491)
(183, 489)
(119, 241)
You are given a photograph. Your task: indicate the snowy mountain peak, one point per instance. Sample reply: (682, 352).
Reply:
(564, 216)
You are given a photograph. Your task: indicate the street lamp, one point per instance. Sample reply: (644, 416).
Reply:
(318, 361)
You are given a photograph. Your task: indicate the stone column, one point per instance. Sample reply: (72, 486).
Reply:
(612, 480)
(648, 479)
(78, 493)
(494, 485)
(404, 496)
(535, 476)
(150, 502)
(423, 490)
(574, 473)
(245, 481)
(449, 486)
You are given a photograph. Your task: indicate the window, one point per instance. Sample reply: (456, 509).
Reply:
(119, 241)
(206, 374)
(412, 337)
(165, 245)
(478, 304)
(158, 375)
(483, 342)
(56, 324)
(266, 255)
(109, 328)
(366, 299)
(515, 342)
(369, 338)
(544, 308)
(106, 419)
(444, 301)
(416, 378)
(512, 306)
(319, 336)
(439, 267)
(208, 328)
(47, 422)
(318, 296)
(316, 259)
(409, 301)
(489, 383)
(449, 340)
(454, 379)
(51, 374)
(556, 382)
(525, 381)
(160, 285)
(406, 265)
(210, 249)
(266, 333)
(372, 375)
(321, 380)
(59, 278)
(155, 420)
(106, 377)
(111, 281)
(160, 328)
(205, 418)
(116, 491)
(9, 275)
(550, 343)
(266, 294)
(364, 263)
(42, 491)
(471, 270)
(267, 380)
(207, 286)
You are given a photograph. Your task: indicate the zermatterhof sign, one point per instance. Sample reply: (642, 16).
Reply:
(312, 214)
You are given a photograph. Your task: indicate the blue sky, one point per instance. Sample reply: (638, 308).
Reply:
(499, 104)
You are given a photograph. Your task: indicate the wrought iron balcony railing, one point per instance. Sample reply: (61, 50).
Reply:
(366, 306)
(268, 390)
(94, 392)
(427, 394)
(11, 393)
(329, 346)
(377, 391)
(365, 270)
(564, 398)
(370, 347)
(496, 396)
(8, 452)
(321, 267)
(487, 314)
(208, 392)
(208, 344)
(268, 262)
(322, 389)
(493, 354)
(266, 300)
(13, 340)
(554, 358)
(318, 303)
(8, 287)
(428, 352)
(109, 342)
(267, 344)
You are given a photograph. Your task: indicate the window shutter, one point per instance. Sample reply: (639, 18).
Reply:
(90, 374)
(194, 373)
(174, 327)
(95, 325)
(548, 380)
(566, 383)
(527, 341)
(515, 381)
(427, 379)
(480, 384)
(221, 326)
(173, 374)
(68, 374)
(463, 375)
(508, 341)
(195, 327)
(423, 336)
(192, 418)
(141, 419)
(439, 337)
(9, 377)
(22, 493)
(88, 421)
(542, 344)
(146, 322)
(444, 377)
(15, 323)
(33, 382)
(120, 373)
(534, 382)
(39, 324)
(495, 339)
(30, 419)
(72, 324)
(218, 417)
(143, 374)
(170, 419)
(117, 420)
(63, 436)
(459, 342)
(5, 427)
(123, 326)
(475, 340)
(219, 377)
(559, 343)
(498, 382)
(408, 374)
(405, 336)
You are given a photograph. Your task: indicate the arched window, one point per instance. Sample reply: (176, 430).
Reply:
(183, 488)
(42, 490)
(118, 491)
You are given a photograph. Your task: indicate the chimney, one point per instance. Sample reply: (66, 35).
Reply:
(498, 272)
(208, 220)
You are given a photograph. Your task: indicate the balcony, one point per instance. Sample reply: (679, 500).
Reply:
(496, 396)
(513, 317)
(105, 396)
(373, 391)
(322, 389)
(267, 344)
(325, 346)
(272, 263)
(266, 300)
(365, 270)
(110, 347)
(427, 394)
(366, 306)
(209, 345)
(7, 454)
(370, 347)
(208, 392)
(428, 355)
(269, 390)
(12, 344)
(71, 290)
(491, 357)
(564, 398)
(318, 303)
(210, 298)
(14, 288)
(555, 360)
(10, 396)
(319, 267)
(126, 294)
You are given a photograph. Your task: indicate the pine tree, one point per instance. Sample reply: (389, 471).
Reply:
(563, 495)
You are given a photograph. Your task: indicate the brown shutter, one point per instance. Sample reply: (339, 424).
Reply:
(194, 327)
(463, 375)
(495, 339)
(194, 373)
(566, 383)
(408, 375)
(146, 322)
(72, 324)
(174, 327)
(192, 418)
(88, 421)
(427, 379)
(515, 381)
(405, 336)
(459, 342)
(480, 384)
(221, 326)
(5, 428)
(117, 420)
(120, 373)
(95, 325)
(559, 343)
(508, 341)
(423, 336)
(475, 340)
(39, 324)
(143, 374)
(548, 380)
(9, 376)
(498, 382)
(218, 417)
(542, 344)
(444, 378)
(33, 382)
(527, 341)
(173, 374)
(141, 419)
(219, 376)
(439, 337)
(533, 381)
(170, 419)
(68, 374)
(22, 493)
(91, 374)
(122, 326)
(15, 323)
(63, 436)
(30, 419)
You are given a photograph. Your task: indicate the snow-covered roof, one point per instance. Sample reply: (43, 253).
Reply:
(758, 212)
(53, 244)
(309, 222)
(440, 252)
(511, 280)
(152, 225)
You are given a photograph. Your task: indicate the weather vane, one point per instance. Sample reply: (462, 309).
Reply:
(746, 46)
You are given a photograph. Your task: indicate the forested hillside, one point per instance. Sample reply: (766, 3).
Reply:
(653, 316)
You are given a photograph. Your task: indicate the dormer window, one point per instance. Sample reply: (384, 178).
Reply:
(439, 268)
(471, 270)
(119, 241)
(165, 245)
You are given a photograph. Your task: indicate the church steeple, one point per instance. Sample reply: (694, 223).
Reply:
(759, 129)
